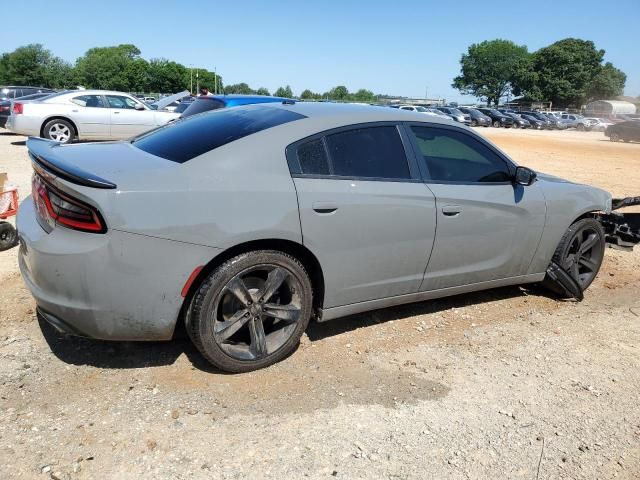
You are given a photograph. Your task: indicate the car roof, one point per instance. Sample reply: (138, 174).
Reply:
(233, 100)
(339, 114)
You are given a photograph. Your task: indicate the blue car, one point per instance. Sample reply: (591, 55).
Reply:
(214, 102)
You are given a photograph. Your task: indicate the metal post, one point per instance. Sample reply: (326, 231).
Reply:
(197, 81)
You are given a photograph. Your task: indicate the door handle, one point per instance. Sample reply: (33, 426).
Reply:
(115, 113)
(451, 210)
(324, 207)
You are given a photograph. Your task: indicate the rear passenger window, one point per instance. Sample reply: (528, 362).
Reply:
(313, 158)
(457, 157)
(375, 152)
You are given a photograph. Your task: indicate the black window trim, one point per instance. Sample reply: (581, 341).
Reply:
(295, 169)
(424, 170)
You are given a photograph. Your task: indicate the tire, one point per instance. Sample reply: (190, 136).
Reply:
(614, 137)
(59, 130)
(8, 236)
(236, 332)
(497, 124)
(474, 123)
(580, 127)
(586, 231)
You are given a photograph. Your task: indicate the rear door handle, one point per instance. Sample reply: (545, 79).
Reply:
(451, 210)
(324, 207)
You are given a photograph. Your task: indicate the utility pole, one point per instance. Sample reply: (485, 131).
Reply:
(191, 82)
(197, 80)
(215, 80)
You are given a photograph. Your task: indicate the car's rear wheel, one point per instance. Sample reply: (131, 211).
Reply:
(580, 127)
(496, 124)
(59, 130)
(474, 123)
(251, 311)
(580, 253)
(614, 137)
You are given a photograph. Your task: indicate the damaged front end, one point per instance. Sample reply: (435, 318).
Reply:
(622, 229)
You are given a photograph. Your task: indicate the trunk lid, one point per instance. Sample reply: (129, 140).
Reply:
(106, 165)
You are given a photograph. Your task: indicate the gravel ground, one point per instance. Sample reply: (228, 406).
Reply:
(507, 383)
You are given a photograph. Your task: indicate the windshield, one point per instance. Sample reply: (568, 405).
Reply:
(421, 109)
(495, 112)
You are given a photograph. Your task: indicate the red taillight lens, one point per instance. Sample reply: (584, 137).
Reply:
(18, 108)
(53, 207)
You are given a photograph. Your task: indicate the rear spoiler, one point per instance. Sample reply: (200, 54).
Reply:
(44, 158)
(622, 230)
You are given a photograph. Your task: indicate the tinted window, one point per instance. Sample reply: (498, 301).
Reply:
(368, 152)
(185, 139)
(202, 105)
(313, 158)
(89, 101)
(457, 157)
(117, 101)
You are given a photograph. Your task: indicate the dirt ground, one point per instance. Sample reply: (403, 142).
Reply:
(507, 383)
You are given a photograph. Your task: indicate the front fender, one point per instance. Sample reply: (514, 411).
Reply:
(566, 202)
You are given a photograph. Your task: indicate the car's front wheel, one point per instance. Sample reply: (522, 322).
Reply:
(580, 253)
(497, 124)
(251, 311)
(614, 137)
(59, 130)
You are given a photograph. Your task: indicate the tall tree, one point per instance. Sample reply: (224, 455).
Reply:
(565, 70)
(241, 88)
(284, 92)
(492, 69)
(607, 83)
(167, 76)
(309, 95)
(263, 91)
(34, 65)
(364, 95)
(339, 93)
(112, 68)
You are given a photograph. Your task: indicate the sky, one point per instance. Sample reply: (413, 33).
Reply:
(408, 48)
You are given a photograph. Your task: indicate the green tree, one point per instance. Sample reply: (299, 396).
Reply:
(241, 88)
(492, 69)
(309, 95)
(607, 83)
(263, 91)
(565, 70)
(34, 65)
(364, 95)
(284, 92)
(167, 76)
(339, 93)
(113, 68)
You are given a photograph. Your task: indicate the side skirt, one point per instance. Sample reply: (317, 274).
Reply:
(344, 310)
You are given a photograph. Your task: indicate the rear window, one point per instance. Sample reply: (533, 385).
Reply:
(202, 104)
(185, 139)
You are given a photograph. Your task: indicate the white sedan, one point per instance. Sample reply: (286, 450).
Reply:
(85, 115)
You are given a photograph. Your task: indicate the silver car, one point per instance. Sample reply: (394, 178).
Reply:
(245, 223)
(85, 115)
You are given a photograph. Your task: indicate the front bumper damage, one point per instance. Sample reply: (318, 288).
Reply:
(622, 229)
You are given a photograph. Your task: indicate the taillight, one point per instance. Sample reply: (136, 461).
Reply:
(4, 108)
(18, 108)
(53, 207)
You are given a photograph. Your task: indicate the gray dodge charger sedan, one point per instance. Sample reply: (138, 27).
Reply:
(245, 223)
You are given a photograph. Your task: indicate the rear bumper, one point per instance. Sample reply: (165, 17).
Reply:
(24, 124)
(114, 286)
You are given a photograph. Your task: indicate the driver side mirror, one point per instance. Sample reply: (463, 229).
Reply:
(524, 176)
(138, 106)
